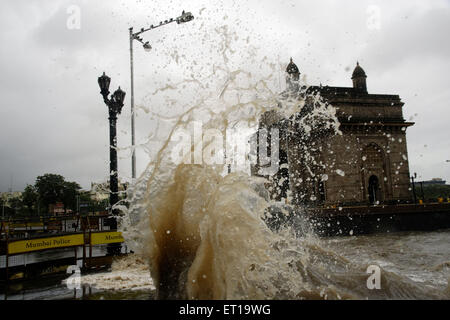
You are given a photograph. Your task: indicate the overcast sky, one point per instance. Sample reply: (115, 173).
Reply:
(53, 120)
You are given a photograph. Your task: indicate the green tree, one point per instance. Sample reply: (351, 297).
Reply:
(30, 198)
(433, 192)
(4, 208)
(50, 188)
(85, 196)
(16, 206)
(70, 192)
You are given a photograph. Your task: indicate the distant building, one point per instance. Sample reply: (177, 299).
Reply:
(8, 196)
(368, 163)
(58, 209)
(100, 191)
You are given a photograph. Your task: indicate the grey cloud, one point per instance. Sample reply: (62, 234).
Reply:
(52, 118)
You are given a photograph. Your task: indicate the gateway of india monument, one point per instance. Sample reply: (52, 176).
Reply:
(366, 164)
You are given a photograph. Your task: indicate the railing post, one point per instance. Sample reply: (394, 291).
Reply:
(84, 247)
(76, 255)
(7, 254)
(90, 248)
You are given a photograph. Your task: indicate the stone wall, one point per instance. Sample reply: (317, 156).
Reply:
(366, 163)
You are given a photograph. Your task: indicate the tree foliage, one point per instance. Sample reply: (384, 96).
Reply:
(432, 192)
(48, 189)
(30, 197)
(52, 188)
(69, 195)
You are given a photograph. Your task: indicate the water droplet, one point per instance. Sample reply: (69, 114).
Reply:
(340, 172)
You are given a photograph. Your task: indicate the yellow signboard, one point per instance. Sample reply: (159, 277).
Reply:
(106, 237)
(45, 243)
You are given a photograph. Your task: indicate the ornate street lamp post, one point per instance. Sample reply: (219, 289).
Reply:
(115, 104)
(185, 17)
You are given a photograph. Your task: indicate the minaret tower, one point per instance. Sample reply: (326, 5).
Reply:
(292, 77)
(359, 78)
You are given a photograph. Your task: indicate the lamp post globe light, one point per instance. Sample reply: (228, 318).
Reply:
(185, 17)
(115, 104)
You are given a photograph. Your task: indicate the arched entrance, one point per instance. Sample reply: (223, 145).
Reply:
(375, 175)
(373, 189)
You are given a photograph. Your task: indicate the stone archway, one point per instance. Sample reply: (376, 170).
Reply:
(373, 190)
(374, 174)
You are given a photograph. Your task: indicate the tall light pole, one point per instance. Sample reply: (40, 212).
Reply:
(185, 17)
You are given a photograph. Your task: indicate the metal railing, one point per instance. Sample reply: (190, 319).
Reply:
(29, 227)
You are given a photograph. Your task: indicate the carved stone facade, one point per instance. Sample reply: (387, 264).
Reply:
(366, 164)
